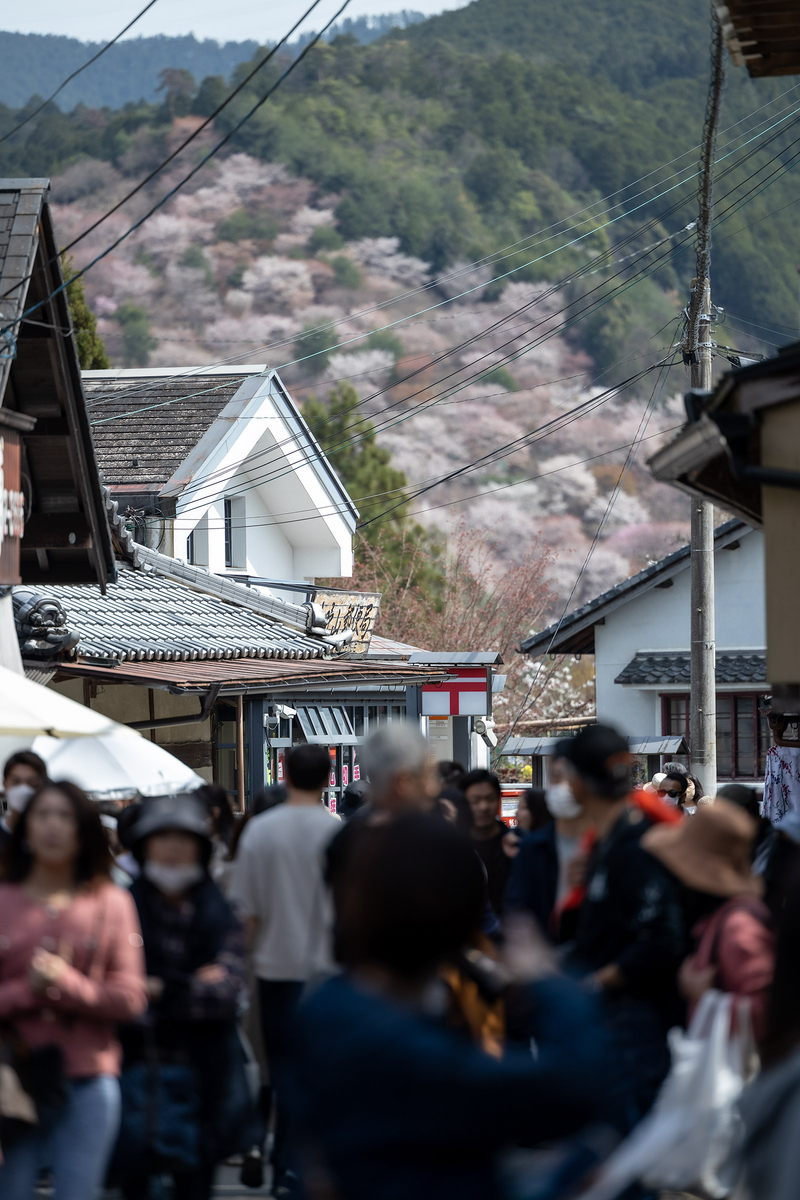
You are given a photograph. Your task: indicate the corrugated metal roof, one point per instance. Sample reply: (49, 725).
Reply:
(673, 667)
(157, 422)
(146, 617)
(246, 674)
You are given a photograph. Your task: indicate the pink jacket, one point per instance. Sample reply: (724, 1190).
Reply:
(99, 935)
(739, 941)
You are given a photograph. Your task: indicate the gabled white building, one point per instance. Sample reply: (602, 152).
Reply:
(216, 466)
(639, 635)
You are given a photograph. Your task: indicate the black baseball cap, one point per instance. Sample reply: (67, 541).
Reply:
(601, 756)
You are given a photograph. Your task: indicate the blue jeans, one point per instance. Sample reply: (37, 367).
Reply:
(77, 1148)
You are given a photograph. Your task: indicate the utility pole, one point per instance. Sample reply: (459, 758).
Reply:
(697, 351)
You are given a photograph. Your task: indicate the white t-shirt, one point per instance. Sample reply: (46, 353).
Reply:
(278, 878)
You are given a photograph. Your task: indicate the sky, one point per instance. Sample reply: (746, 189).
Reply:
(233, 20)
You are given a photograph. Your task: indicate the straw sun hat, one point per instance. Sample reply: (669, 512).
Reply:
(710, 851)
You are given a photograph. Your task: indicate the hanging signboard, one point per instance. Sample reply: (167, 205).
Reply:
(12, 504)
(356, 611)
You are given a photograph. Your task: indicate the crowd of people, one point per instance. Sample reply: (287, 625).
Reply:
(398, 1000)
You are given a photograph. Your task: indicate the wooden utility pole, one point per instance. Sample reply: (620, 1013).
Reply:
(697, 351)
(703, 701)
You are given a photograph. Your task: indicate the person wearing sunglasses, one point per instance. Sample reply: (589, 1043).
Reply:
(680, 788)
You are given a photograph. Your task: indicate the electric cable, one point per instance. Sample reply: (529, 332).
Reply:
(650, 406)
(74, 74)
(402, 320)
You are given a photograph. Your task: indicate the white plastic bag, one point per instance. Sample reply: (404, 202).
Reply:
(690, 1136)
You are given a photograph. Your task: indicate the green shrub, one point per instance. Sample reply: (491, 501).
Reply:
(325, 237)
(260, 226)
(137, 341)
(502, 377)
(315, 346)
(194, 258)
(384, 339)
(346, 272)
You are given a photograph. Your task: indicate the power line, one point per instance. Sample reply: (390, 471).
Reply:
(69, 78)
(645, 419)
(402, 320)
(182, 182)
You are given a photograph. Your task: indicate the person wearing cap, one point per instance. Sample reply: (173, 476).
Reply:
(194, 954)
(710, 857)
(629, 936)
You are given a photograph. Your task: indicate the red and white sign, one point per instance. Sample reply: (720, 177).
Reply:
(280, 767)
(465, 696)
(345, 775)
(356, 772)
(333, 802)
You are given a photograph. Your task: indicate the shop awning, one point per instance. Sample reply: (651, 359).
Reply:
(326, 725)
(652, 744)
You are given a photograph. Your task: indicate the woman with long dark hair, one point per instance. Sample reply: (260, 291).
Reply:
(71, 966)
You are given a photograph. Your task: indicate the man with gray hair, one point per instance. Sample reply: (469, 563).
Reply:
(397, 761)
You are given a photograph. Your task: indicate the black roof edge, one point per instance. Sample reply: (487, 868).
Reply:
(591, 612)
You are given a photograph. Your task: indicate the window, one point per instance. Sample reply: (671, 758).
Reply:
(190, 549)
(235, 548)
(742, 733)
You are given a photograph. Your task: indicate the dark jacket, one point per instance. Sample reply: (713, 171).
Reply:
(193, 1023)
(497, 864)
(631, 916)
(533, 883)
(395, 1105)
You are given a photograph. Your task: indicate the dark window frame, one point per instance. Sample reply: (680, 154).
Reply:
(760, 738)
(228, 523)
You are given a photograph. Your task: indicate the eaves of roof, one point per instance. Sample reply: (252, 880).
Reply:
(667, 668)
(241, 675)
(575, 635)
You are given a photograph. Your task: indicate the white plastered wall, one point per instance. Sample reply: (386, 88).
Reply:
(293, 529)
(659, 620)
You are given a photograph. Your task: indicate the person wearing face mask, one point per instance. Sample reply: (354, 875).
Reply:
(195, 961)
(630, 936)
(679, 789)
(539, 879)
(23, 774)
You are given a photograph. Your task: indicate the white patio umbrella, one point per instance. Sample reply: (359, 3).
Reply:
(27, 709)
(116, 764)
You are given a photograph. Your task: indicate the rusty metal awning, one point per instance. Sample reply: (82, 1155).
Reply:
(247, 674)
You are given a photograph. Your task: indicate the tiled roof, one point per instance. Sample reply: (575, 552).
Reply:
(144, 616)
(156, 422)
(674, 667)
(20, 207)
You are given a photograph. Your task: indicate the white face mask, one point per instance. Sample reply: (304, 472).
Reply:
(173, 880)
(561, 802)
(18, 797)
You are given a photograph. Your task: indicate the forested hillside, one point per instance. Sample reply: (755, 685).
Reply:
(551, 140)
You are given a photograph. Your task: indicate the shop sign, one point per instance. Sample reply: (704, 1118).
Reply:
(356, 611)
(12, 508)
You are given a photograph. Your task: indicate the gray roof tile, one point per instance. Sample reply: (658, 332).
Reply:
(673, 667)
(157, 423)
(144, 616)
